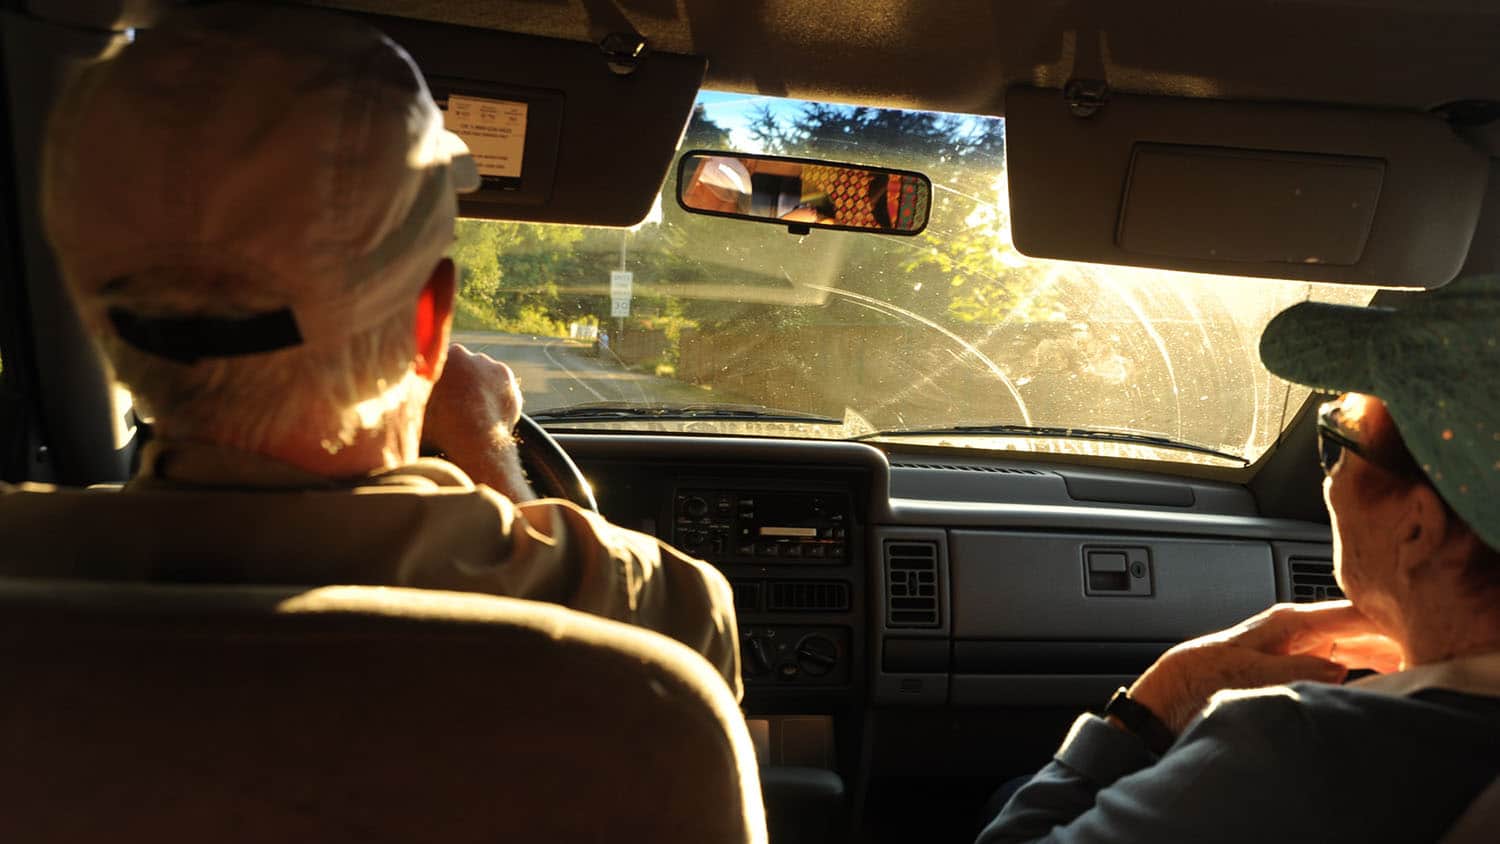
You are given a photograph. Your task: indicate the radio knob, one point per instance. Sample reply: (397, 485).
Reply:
(695, 507)
(817, 654)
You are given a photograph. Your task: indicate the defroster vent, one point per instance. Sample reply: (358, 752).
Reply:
(1312, 580)
(911, 584)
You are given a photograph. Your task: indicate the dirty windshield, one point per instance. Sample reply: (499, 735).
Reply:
(690, 323)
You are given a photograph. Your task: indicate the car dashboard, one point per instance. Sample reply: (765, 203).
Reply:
(927, 626)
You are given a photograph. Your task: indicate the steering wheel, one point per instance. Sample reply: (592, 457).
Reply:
(550, 469)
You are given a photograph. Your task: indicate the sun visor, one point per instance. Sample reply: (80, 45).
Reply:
(1236, 188)
(560, 133)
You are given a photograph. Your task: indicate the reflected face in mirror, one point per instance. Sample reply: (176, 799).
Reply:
(809, 193)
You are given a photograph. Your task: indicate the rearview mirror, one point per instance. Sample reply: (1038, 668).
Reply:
(804, 194)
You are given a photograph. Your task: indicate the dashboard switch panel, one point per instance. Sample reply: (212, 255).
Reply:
(763, 527)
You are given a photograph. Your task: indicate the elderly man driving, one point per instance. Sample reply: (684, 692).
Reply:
(250, 207)
(1412, 457)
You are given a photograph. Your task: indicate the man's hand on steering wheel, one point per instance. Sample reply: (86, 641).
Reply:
(470, 418)
(474, 419)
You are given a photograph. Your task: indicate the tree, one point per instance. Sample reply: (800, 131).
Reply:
(964, 265)
(703, 133)
(510, 272)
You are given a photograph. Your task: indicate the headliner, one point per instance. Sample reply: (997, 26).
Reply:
(959, 55)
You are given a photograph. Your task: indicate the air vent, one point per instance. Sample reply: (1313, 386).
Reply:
(808, 596)
(746, 595)
(911, 570)
(953, 467)
(1312, 580)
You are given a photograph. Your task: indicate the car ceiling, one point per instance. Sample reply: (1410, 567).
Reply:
(960, 55)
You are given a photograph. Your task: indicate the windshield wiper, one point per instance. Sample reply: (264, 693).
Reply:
(1057, 433)
(606, 411)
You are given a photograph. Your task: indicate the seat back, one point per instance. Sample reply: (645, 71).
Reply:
(160, 713)
(1480, 821)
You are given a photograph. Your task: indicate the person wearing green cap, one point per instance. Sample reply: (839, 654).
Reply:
(1250, 734)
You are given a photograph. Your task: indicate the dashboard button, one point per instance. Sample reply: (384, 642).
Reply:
(814, 549)
(791, 549)
(768, 549)
(836, 550)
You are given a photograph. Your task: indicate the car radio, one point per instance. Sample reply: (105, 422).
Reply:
(763, 527)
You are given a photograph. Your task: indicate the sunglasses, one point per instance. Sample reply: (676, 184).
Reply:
(1332, 440)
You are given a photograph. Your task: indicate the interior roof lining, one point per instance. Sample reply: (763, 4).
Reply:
(961, 55)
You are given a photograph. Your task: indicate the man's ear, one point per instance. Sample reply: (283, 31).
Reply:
(1422, 531)
(435, 319)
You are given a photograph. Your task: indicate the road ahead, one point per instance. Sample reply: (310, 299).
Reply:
(559, 373)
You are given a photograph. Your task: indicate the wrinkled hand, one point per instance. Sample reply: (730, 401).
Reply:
(1286, 643)
(470, 415)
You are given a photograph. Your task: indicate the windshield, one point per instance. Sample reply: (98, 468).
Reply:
(700, 324)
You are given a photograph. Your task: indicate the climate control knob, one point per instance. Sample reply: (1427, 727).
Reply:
(755, 658)
(817, 654)
(695, 507)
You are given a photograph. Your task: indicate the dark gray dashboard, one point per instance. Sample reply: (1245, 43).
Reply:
(904, 600)
(963, 582)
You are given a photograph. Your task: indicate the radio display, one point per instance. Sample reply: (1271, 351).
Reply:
(762, 526)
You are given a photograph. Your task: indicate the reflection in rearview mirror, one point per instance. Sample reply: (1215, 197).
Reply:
(804, 194)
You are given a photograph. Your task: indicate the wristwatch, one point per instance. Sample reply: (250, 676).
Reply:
(1140, 720)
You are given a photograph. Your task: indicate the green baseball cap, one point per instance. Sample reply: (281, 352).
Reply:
(1434, 360)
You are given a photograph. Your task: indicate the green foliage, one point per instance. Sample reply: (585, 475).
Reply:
(987, 280)
(476, 251)
(510, 272)
(469, 315)
(532, 319)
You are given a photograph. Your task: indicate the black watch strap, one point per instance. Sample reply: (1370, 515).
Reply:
(1141, 721)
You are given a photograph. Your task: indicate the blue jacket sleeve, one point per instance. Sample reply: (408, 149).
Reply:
(1226, 779)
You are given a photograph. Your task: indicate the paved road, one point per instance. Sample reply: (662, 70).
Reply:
(559, 373)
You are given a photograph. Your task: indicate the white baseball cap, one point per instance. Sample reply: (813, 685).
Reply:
(288, 166)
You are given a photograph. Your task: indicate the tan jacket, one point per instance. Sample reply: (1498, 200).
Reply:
(202, 513)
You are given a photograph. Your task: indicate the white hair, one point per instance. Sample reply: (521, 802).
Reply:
(327, 394)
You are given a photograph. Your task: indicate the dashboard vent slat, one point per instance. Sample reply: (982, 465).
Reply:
(1312, 580)
(911, 570)
(808, 596)
(746, 595)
